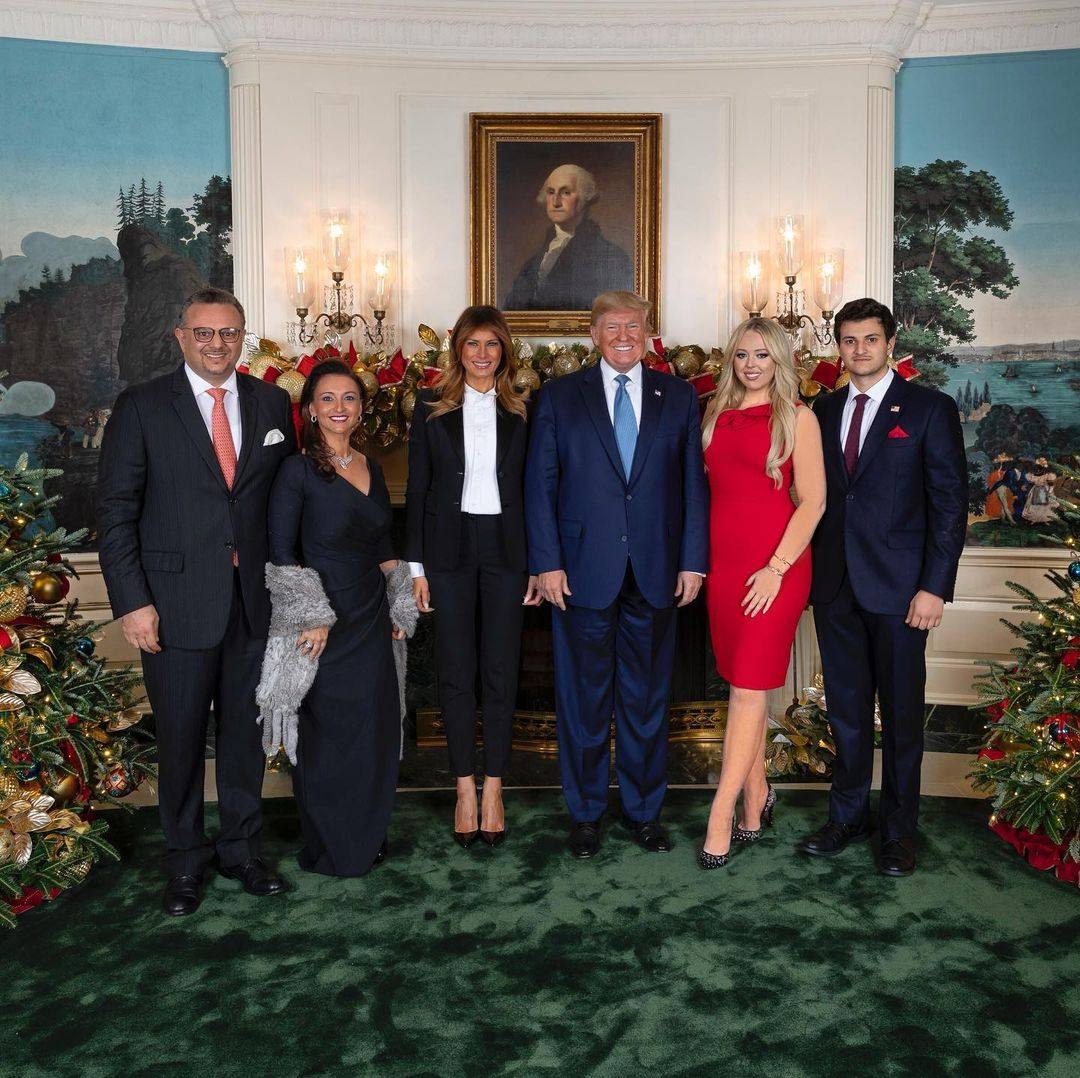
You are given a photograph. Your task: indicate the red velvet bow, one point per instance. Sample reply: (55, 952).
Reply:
(826, 373)
(393, 372)
(906, 368)
(430, 377)
(657, 346)
(996, 711)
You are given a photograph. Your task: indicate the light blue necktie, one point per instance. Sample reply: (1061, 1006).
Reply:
(625, 424)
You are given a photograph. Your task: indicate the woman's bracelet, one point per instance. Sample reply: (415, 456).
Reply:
(781, 558)
(775, 571)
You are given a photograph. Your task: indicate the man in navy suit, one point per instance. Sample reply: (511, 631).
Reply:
(617, 518)
(885, 558)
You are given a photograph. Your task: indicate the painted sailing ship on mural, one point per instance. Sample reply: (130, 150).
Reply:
(981, 246)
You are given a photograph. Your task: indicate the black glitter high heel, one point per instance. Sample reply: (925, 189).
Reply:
(741, 834)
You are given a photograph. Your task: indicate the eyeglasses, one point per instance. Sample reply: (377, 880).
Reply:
(204, 334)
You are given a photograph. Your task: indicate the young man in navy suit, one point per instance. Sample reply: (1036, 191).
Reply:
(616, 511)
(885, 559)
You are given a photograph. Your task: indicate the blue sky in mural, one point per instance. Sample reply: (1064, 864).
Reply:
(1015, 117)
(153, 113)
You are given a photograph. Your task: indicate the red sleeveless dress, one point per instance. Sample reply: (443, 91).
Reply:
(747, 518)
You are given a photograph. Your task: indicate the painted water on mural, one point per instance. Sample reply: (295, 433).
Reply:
(97, 258)
(1052, 386)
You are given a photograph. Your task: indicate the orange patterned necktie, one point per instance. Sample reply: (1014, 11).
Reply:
(224, 448)
(222, 436)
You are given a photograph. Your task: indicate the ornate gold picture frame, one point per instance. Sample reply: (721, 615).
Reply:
(564, 206)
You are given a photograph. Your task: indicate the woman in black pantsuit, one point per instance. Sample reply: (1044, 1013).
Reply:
(329, 510)
(465, 543)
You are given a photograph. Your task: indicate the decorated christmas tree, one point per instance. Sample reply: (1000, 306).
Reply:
(66, 719)
(1030, 759)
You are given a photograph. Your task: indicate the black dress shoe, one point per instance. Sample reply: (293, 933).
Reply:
(465, 838)
(382, 855)
(256, 878)
(584, 840)
(649, 834)
(897, 857)
(833, 838)
(183, 895)
(493, 838)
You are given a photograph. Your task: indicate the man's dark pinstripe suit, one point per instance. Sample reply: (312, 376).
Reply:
(167, 530)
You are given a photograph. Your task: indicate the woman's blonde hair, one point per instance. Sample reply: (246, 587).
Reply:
(783, 392)
(451, 384)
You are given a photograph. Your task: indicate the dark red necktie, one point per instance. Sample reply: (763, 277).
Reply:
(851, 445)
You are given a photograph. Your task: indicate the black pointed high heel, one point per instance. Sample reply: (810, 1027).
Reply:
(493, 838)
(741, 834)
(466, 838)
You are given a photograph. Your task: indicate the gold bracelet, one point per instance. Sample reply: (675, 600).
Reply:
(776, 571)
(780, 557)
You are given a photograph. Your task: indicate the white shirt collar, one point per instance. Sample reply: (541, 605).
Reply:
(201, 385)
(477, 397)
(877, 391)
(561, 236)
(610, 373)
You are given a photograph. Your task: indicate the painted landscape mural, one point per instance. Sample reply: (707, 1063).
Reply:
(117, 207)
(987, 281)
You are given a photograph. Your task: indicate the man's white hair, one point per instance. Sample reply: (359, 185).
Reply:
(586, 183)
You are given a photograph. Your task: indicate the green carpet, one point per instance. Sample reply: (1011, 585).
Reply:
(522, 960)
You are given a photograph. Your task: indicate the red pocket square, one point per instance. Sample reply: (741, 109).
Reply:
(898, 432)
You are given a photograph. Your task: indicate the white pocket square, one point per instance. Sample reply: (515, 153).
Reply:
(273, 437)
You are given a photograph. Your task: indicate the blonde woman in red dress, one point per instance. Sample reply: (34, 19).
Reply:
(767, 483)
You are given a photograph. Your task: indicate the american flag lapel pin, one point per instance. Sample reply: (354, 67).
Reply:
(895, 408)
(657, 392)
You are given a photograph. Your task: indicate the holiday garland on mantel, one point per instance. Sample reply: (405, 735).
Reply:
(65, 717)
(392, 382)
(1030, 759)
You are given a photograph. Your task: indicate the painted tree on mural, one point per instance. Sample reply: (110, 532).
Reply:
(939, 258)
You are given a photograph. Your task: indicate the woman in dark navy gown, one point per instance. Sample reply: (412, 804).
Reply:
(330, 511)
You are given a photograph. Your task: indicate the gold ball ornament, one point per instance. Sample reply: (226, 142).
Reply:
(47, 589)
(526, 381)
(261, 364)
(64, 789)
(565, 364)
(687, 363)
(13, 601)
(368, 381)
(9, 785)
(293, 384)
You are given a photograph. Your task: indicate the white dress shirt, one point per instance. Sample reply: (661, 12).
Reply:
(551, 255)
(200, 387)
(480, 491)
(876, 393)
(633, 389)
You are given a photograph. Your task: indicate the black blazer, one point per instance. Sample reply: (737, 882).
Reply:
(897, 526)
(437, 477)
(168, 524)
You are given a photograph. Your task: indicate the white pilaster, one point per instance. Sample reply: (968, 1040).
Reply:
(880, 158)
(247, 234)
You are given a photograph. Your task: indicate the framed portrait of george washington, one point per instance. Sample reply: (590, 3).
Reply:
(564, 206)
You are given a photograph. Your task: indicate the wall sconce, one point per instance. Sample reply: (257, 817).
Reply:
(337, 255)
(754, 279)
(828, 281)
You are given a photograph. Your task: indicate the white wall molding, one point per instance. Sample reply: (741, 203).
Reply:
(880, 157)
(986, 26)
(655, 32)
(245, 132)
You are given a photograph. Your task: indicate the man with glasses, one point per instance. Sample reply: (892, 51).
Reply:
(186, 466)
